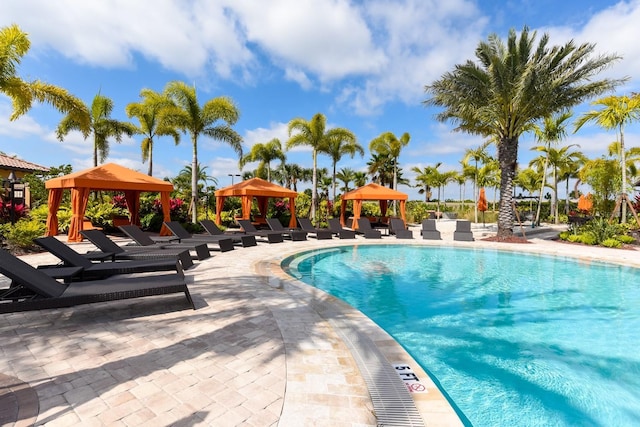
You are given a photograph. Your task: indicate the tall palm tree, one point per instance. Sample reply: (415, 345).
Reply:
(359, 179)
(388, 143)
(265, 154)
(14, 44)
(152, 113)
(314, 133)
(478, 154)
(381, 168)
(558, 158)
(213, 119)
(511, 87)
(552, 131)
(182, 181)
(100, 124)
(338, 148)
(427, 178)
(346, 175)
(616, 112)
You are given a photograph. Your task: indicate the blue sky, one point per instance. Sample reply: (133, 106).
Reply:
(363, 64)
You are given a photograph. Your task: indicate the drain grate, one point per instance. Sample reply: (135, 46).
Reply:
(392, 402)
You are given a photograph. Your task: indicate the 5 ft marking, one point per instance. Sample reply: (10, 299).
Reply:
(409, 378)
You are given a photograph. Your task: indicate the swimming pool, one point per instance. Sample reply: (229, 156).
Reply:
(513, 339)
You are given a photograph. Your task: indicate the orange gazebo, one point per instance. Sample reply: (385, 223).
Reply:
(107, 177)
(259, 189)
(372, 191)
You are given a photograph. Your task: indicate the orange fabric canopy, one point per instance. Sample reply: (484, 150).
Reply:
(585, 203)
(372, 191)
(482, 201)
(260, 189)
(108, 177)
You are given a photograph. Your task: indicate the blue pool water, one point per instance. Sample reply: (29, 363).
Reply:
(513, 339)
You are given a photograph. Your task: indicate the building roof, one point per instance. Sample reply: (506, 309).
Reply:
(13, 163)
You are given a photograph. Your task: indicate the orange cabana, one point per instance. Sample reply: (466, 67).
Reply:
(372, 192)
(260, 189)
(107, 177)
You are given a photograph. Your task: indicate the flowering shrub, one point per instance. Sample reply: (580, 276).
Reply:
(177, 209)
(280, 207)
(119, 201)
(19, 211)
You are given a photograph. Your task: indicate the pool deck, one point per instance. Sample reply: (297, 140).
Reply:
(262, 349)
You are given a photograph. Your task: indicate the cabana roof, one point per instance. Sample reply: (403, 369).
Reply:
(111, 177)
(374, 191)
(255, 187)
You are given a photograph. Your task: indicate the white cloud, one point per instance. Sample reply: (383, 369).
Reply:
(263, 135)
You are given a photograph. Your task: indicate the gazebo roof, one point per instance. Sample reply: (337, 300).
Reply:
(374, 191)
(110, 176)
(255, 187)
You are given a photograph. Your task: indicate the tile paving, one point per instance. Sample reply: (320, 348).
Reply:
(260, 350)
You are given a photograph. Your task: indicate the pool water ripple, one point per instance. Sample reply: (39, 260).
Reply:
(513, 339)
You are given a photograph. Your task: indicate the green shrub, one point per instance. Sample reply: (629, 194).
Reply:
(625, 239)
(611, 243)
(564, 235)
(22, 233)
(588, 238)
(574, 238)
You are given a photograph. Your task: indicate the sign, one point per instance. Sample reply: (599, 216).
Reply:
(409, 378)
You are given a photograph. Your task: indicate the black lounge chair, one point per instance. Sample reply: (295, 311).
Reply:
(172, 250)
(337, 229)
(289, 233)
(226, 242)
(319, 233)
(250, 230)
(211, 228)
(463, 231)
(364, 228)
(90, 270)
(32, 289)
(398, 227)
(429, 230)
(143, 239)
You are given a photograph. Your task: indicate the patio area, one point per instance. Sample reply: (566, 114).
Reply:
(262, 349)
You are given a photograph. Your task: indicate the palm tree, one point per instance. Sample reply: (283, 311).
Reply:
(388, 143)
(14, 44)
(616, 112)
(182, 181)
(381, 167)
(100, 124)
(346, 175)
(552, 131)
(427, 178)
(558, 158)
(152, 115)
(198, 120)
(529, 180)
(265, 154)
(477, 155)
(314, 134)
(359, 179)
(338, 148)
(513, 86)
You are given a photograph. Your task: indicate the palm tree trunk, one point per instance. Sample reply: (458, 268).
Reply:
(556, 220)
(508, 158)
(623, 161)
(150, 172)
(475, 195)
(314, 187)
(544, 178)
(334, 182)
(194, 182)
